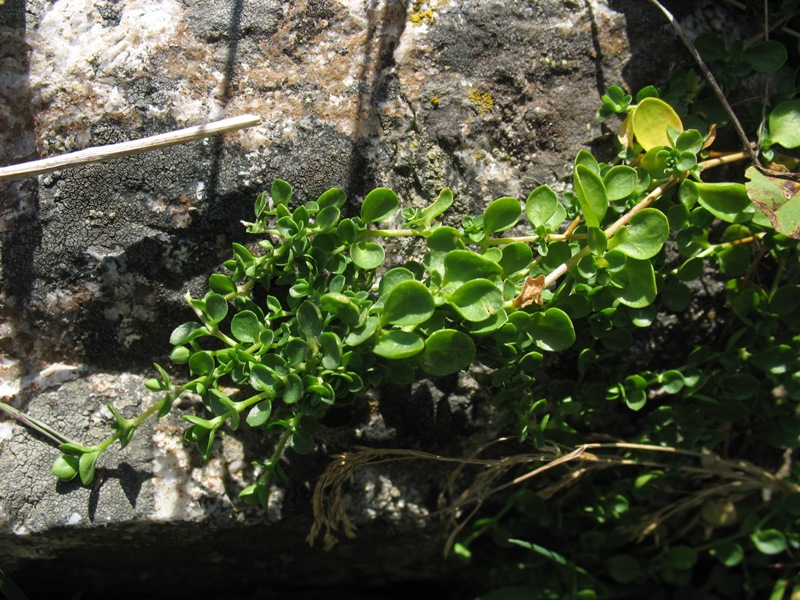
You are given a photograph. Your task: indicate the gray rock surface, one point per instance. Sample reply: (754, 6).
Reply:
(487, 97)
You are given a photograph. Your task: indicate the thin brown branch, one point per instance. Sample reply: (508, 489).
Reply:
(711, 80)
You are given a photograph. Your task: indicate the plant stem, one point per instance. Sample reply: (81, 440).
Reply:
(393, 233)
(610, 231)
(36, 425)
(711, 80)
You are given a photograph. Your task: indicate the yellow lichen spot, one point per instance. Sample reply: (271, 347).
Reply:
(435, 101)
(483, 100)
(419, 14)
(421, 17)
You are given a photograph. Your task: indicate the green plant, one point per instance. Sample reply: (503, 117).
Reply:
(644, 466)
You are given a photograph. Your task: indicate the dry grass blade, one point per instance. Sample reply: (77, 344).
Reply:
(739, 478)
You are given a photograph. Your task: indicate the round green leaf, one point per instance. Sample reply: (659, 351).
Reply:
(765, 57)
(650, 120)
(262, 379)
(86, 466)
(245, 326)
(201, 363)
(734, 261)
(346, 230)
(636, 284)
(691, 269)
(769, 541)
(408, 303)
(293, 389)
(587, 159)
(186, 333)
(617, 340)
(476, 300)
(295, 351)
(623, 568)
(785, 300)
(309, 319)
(540, 205)
(729, 554)
(216, 308)
(444, 239)
(775, 359)
(221, 284)
(784, 124)
(461, 266)
(552, 330)
(728, 202)
(65, 467)
(363, 333)
(259, 414)
(281, 192)
(333, 197)
(501, 214)
(620, 182)
(367, 255)
(396, 344)
(331, 347)
(676, 296)
(327, 218)
(672, 381)
(558, 253)
(690, 141)
(180, 355)
(341, 306)
(391, 278)
(490, 325)
(447, 351)
(644, 235)
(303, 442)
(287, 227)
(380, 204)
(516, 257)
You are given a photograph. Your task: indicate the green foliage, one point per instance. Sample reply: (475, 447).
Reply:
(683, 453)
(695, 492)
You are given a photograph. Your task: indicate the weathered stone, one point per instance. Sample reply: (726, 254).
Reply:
(164, 504)
(489, 98)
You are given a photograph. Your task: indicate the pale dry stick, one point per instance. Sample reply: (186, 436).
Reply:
(562, 269)
(101, 153)
(644, 203)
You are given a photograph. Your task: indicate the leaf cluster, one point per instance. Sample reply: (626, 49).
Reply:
(556, 298)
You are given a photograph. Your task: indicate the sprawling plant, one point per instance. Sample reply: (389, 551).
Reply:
(690, 449)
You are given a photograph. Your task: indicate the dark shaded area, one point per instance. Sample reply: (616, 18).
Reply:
(20, 241)
(654, 47)
(229, 560)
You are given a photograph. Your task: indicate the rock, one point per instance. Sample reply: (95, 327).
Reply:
(487, 98)
(159, 500)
